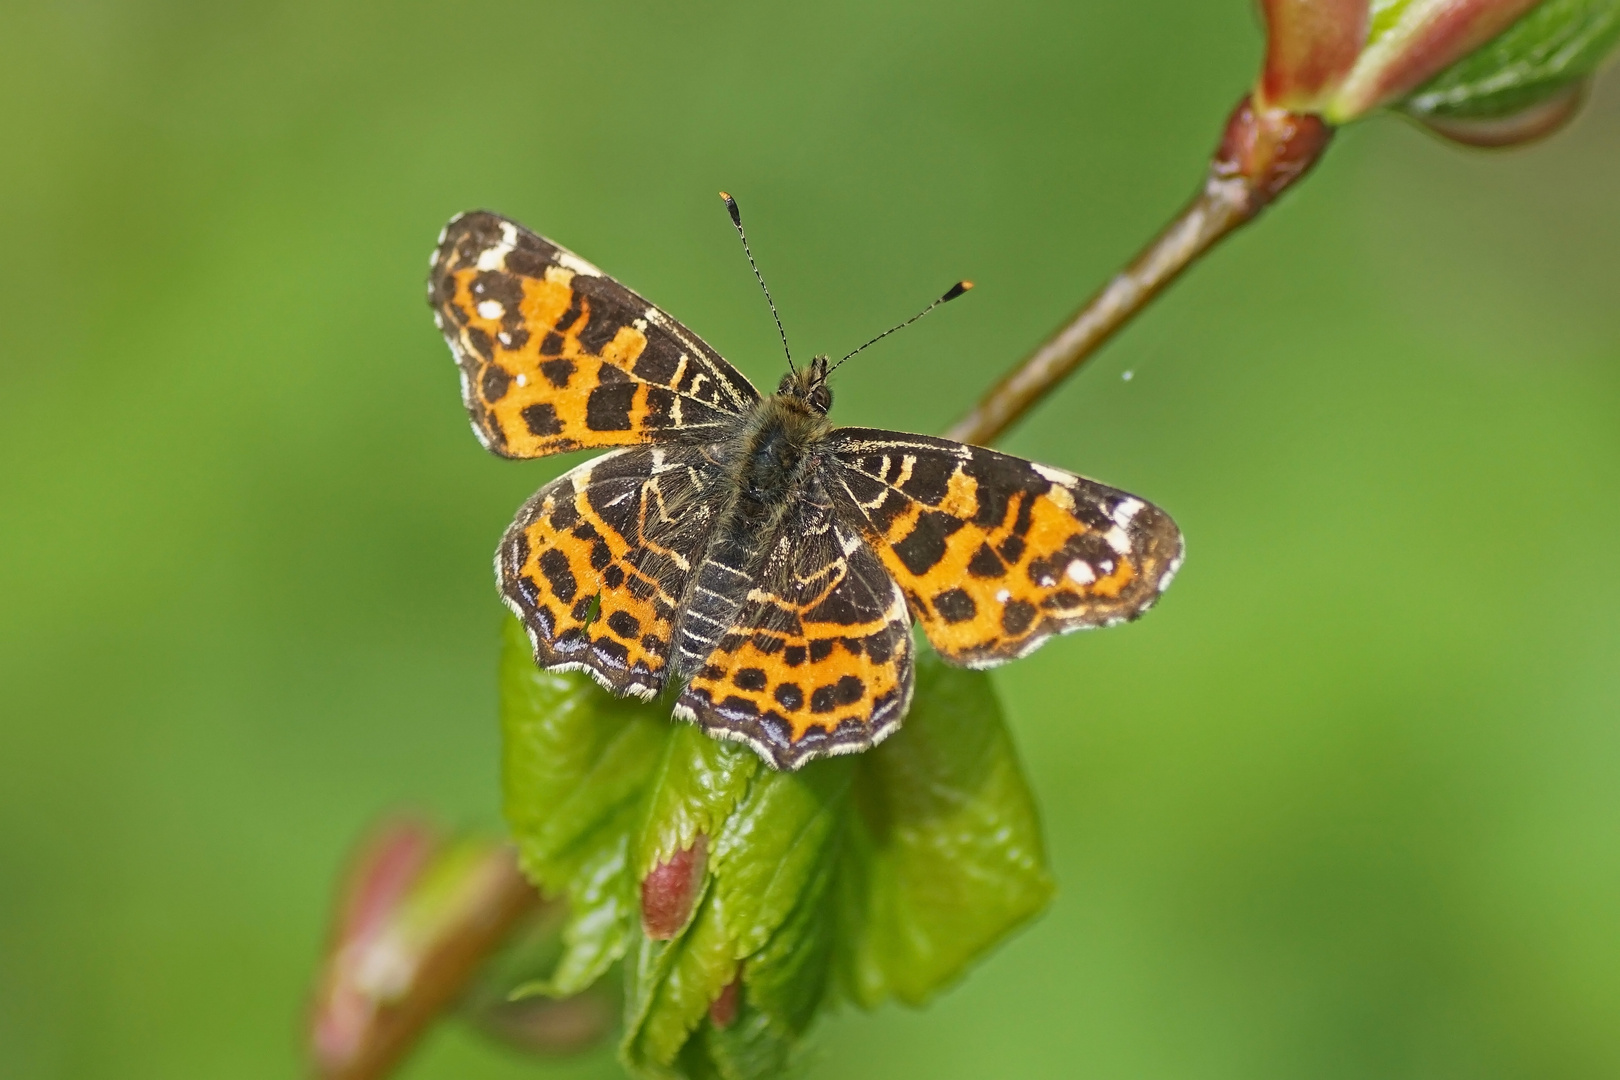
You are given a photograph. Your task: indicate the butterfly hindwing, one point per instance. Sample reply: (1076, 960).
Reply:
(556, 356)
(597, 562)
(996, 554)
(819, 659)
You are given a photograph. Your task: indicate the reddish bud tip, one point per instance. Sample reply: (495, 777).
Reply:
(670, 890)
(1269, 149)
(723, 1010)
(1311, 45)
(420, 914)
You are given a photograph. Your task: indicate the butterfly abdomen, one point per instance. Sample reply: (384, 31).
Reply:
(770, 462)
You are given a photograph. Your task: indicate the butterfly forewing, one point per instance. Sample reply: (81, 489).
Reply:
(996, 554)
(556, 356)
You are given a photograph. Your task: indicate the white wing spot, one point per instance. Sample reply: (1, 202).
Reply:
(1126, 511)
(1057, 476)
(522, 379)
(1170, 571)
(1081, 572)
(1118, 540)
(490, 309)
(1003, 595)
(494, 258)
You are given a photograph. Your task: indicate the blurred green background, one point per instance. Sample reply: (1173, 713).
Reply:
(1345, 805)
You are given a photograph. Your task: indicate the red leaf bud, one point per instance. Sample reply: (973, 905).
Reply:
(670, 890)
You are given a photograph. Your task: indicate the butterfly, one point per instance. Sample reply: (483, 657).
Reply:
(738, 548)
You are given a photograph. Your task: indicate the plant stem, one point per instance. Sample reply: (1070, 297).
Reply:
(374, 1037)
(1263, 152)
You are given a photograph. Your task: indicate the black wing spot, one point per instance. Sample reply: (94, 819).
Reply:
(541, 419)
(924, 546)
(955, 605)
(601, 327)
(557, 372)
(495, 383)
(1017, 617)
(985, 563)
(559, 575)
(608, 407)
(750, 678)
(566, 321)
(479, 344)
(656, 365)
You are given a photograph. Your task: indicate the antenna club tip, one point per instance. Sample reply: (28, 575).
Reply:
(726, 195)
(731, 208)
(956, 290)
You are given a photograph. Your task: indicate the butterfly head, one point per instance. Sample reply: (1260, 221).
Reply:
(809, 385)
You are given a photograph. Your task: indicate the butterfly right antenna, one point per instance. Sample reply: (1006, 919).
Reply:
(736, 219)
(950, 294)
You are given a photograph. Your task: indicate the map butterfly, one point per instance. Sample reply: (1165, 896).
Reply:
(763, 564)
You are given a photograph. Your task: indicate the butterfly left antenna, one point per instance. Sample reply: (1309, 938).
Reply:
(950, 294)
(736, 219)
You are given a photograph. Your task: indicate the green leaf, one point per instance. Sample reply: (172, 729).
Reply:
(946, 850)
(783, 856)
(883, 875)
(669, 987)
(783, 832)
(771, 858)
(575, 765)
(1555, 44)
(698, 783)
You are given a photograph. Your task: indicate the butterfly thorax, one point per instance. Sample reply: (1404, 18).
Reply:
(771, 466)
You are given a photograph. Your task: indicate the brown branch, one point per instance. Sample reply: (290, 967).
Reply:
(400, 956)
(1263, 152)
